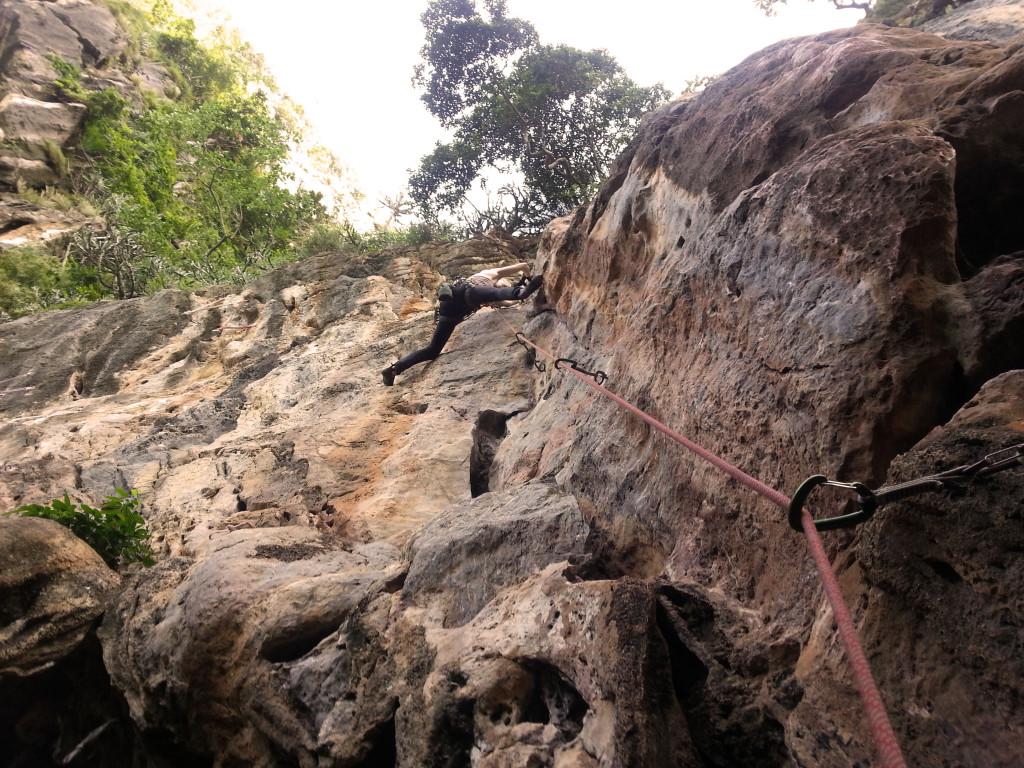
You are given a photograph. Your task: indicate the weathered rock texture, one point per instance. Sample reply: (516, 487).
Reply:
(54, 588)
(998, 21)
(812, 267)
(36, 124)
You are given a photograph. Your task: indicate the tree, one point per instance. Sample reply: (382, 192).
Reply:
(552, 117)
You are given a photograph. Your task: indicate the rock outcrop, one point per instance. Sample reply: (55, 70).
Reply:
(997, 21)
(811, 267)
(54, 589)
(37, 123)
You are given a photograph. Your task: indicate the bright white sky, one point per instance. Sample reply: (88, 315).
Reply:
(349, 63)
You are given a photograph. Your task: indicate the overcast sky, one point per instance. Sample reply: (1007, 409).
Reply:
(349, 62)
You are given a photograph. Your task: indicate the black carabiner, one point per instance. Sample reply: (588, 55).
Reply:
(865, 498)
(598, 376)
(531, 356)
(870, 501)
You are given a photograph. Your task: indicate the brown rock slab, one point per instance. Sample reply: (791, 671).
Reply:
(54, 587)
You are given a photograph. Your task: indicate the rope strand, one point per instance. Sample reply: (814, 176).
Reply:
(878, 719)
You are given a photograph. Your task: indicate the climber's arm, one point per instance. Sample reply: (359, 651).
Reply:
(511, 270)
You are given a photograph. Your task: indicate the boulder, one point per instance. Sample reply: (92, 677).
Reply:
(154, 77)
(35, 122)
(27, 171)
(941, 573)
(101, 37)
(24, 223)
(802, 270)
(232, 648)
(462, 558)
(29, 33)
(524, 683)
(54, 587)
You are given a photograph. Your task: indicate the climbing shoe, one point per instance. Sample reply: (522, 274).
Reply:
(388, 375)
(524, 291)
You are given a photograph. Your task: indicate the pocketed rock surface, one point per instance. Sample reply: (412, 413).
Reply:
(811, 267)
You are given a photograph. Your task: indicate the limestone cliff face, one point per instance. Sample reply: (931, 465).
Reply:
(35, 124)
(812, 267)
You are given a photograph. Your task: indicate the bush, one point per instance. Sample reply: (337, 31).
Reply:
(116, 530)
(27, 277)
(345, 238)
(35, 279)
(197, 191)
(328, 238)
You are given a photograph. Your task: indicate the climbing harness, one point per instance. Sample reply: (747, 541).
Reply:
(871, 501)
(446, 292)
(878, 719)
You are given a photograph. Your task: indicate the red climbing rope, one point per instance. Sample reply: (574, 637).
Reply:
(878, 718)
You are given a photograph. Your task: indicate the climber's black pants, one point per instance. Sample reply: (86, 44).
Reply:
(478, 295)
(474, 297)
(443, 332)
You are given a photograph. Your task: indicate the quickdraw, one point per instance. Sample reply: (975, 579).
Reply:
(871, 501)
(599, 376)
(529, 351)
(878, 719)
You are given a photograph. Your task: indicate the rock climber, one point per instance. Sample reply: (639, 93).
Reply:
(486, 287)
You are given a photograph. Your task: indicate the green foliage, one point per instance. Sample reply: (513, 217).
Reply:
(329, 238)
(116, 530)
(194, 191)
(554, 115)
(59, 200)
(137, 22)
(115, 259)
(56, 157)
(698, 84)
(332, 237)
(203, 73)
(27, 277)
(193, 188)
(34, 278)
(69, 79)
(203, 189)
(465, 54)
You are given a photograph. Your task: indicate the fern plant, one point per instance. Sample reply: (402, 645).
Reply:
(116, 530)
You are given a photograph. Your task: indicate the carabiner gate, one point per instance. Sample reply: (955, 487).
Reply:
(865, 498)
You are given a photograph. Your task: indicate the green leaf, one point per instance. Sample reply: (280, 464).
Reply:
(116, 530)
